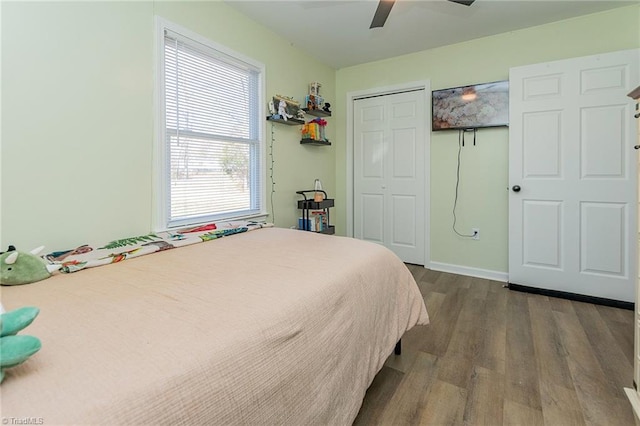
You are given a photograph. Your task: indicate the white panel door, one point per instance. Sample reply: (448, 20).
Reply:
(572, 176)
(389, 173)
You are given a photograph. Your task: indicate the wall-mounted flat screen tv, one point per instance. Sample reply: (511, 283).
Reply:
(471, 107)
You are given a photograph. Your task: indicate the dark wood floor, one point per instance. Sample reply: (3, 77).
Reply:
(493, 356)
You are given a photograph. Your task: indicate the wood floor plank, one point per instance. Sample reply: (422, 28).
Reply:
(605, 348)
(515, 414)
(593, 389)
(620, 324)
(550, 352)
(521, 376)
(496, 286)
(456, 366)
(560, 405)
(492, 350)
(410, 398)
(382, 388)
(624, 334)
(430, 276)
(445, 405)
(434, 301)
(442, 325)
(418, 271)
(561, 305)
(479, 288)
(615, 314)
(485, 397)
(464, 281)
(427, 287)
(446, 282)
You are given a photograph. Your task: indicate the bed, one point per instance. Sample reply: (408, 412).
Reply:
(270, 327)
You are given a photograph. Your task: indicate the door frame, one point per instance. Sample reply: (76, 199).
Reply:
(381, 91)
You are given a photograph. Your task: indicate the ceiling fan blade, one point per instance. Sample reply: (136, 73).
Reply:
(465, 2)
(380, 17)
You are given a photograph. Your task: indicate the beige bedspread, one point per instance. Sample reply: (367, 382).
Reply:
(274, 326)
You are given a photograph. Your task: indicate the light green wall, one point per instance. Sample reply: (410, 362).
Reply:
(483, 191)
(77, 123)
(77, 118)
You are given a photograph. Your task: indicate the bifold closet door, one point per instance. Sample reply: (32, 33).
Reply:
(389, 173)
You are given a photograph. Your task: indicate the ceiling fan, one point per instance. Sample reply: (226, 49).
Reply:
(384, 7)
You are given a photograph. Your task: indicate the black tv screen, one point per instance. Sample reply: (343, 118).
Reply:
(471, 107)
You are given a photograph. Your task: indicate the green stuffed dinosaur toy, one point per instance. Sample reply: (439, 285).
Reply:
(15, 349)
(23, 268)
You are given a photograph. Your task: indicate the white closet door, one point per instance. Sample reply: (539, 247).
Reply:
(389, 173)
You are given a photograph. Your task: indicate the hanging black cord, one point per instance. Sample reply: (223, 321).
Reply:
(273, 184)
(455, 202)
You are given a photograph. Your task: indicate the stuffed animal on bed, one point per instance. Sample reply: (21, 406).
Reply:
(14, 349)
(22, 268)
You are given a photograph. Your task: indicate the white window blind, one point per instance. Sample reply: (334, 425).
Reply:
(212, 135)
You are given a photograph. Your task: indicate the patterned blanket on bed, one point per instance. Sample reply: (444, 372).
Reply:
(88, 256)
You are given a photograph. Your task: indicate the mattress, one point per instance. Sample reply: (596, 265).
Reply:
(274, 326)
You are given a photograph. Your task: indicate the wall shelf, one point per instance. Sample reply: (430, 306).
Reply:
(289, 122)
(317, 112)
(306, 141)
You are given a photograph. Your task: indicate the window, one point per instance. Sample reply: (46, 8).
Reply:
(209, 151)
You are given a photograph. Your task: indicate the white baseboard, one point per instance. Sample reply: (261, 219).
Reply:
(469, 271)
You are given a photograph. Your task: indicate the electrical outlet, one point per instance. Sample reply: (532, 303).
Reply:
(476, 233)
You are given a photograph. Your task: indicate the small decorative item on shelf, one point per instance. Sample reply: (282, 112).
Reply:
(287, 110)
(318, 194)
(314, 88)
(314, 130)
(313, 100)
(282, 110)
(326, 107)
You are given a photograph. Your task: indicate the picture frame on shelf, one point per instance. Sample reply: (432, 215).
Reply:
(292, 106)
(314, 88)
(313, 102)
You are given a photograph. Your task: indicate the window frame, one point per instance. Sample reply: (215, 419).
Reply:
(161, 162)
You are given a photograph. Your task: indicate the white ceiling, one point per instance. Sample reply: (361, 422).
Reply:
(337, 32)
